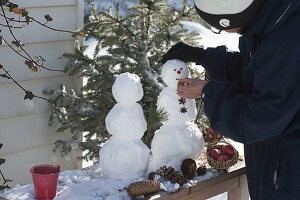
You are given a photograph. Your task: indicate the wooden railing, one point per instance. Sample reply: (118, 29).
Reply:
(233, 182)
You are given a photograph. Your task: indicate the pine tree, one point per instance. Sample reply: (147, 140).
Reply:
(134, 43)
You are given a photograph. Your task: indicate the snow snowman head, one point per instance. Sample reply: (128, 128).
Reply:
(127, 88)
(172, 71)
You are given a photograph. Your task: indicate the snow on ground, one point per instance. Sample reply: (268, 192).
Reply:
(89, 184)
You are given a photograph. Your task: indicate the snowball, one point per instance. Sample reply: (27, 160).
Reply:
(126, 121)
(173, 143)
(127, 88)
(169, 100)
(172, 71)
(124, 159)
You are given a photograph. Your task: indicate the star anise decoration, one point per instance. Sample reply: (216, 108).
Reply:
(182, 101)
(183, 109)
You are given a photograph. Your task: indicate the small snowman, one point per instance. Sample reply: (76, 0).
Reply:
(125, 156)
(179, 137)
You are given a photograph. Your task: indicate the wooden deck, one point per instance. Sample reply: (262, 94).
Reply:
(233, 182)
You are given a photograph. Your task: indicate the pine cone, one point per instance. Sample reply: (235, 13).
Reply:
(178, 178)
(211, 136)
(166, 172)
(143, 187)
(151, 175)
(161, 170)
(201, 170)
(169, 173)
(188, 168)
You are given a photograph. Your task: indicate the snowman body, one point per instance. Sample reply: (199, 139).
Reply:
(178, 109)
(124, 156)
(179, 137)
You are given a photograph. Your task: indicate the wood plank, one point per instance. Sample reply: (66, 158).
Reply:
(27, 132)
(234, 194)
(209, 192)
(27, 138)
(80, 13)
(12, 97)
(44, 3)
(17, 165)
(64, 18)
(241, 192)
(208, 188)
(51, 52)
(244, 188)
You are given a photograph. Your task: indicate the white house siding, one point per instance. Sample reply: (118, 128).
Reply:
(27, 139)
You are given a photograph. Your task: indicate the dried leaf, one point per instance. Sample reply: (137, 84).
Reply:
(17, 10)
(48, 18)
(4, 76)
(12, 6)
(79, 34)
(25, 13)
(1, 144)
(17, 43)
(28, 95)
(50, 121)
(1, 66)
(27, 18)
(2, 160)
(34, 69)
(31, 65)
(82, 33)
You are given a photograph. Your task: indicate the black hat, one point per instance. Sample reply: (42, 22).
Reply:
(227, 14)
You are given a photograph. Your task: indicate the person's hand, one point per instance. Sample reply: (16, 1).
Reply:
(184, 52)
(190, 88)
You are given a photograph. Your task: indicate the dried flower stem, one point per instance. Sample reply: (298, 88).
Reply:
(29, 57)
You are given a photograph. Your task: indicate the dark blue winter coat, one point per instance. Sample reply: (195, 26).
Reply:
(254, 98)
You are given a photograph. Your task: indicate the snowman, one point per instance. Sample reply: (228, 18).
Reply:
(125, 156)
(179, 137)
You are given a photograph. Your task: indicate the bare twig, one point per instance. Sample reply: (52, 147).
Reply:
(40, 65)
(51, 28)
(38, 22)
(13, 19)
(4, 25)
(29, 57)
(26, 91)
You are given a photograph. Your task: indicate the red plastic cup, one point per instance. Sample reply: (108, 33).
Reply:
(45, 178)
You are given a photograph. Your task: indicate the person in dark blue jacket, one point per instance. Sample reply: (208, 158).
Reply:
(253, 96)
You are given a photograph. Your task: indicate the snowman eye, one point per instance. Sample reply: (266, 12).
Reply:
(180, 68)
(174, 70)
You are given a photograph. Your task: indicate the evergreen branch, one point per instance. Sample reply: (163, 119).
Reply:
(119, 21)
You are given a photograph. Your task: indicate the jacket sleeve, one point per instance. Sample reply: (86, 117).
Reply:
(222, 65)
(263, 114)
